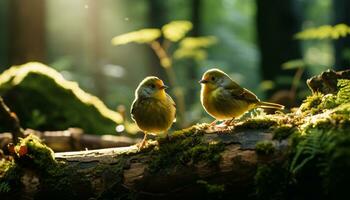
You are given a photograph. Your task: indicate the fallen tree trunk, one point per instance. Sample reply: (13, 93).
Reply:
(237, 166)
(212, 162)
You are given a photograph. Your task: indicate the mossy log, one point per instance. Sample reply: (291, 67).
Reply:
(193, 163)
(301, 154)
(72, 139)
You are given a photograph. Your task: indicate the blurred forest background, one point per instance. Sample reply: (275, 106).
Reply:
(254, 40)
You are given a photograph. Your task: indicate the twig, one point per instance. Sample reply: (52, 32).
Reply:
(166, 63)
(11, 120)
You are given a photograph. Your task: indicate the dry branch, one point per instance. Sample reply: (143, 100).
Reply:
(10, 121)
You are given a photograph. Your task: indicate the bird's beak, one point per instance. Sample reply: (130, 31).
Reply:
(163, 87)
(203, 81)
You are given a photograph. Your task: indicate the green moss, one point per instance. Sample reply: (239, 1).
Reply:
(318, 102)
(271, 181)
(264, 147)
(64, 182)
(329, 101)
(44, 100)
(215, 189)
(41, 156)
(311, 103)
(283, 131)
(257, 123)
(10, 176)
(183, 148)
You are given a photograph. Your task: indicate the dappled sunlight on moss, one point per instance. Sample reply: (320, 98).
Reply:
(183, 148)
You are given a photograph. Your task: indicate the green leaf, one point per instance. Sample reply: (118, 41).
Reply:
(140, 36)
(294, 64)
(176, 30)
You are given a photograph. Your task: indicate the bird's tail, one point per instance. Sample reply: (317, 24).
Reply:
(263, 104)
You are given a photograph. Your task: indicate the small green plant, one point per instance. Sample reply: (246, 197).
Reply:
(188, 48)
(4, 187)
(212, 188)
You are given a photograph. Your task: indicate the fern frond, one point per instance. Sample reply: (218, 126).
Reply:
(315, 144)
(343, 95)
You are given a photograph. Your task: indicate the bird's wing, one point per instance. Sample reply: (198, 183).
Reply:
(238, 92)
(132, 111)
(136, 105)
(171, 100)
(173, 103)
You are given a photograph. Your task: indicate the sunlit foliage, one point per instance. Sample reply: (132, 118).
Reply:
(192, 47)
(324, 32)
(176, 30)
(140, 36)
(294, 64)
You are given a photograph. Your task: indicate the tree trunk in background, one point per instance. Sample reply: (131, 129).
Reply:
(342, 45)
(193, 66)
(277, 23)
(157, 18)
(4, 21)
(27, 31)
(96, 50)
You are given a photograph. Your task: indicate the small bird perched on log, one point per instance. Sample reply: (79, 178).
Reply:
(153, 109)
(224, 99)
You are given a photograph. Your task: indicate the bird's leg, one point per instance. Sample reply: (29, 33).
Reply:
(167, 136)
(143, 142)
(225, 124)
(213, 123)
(228, 122)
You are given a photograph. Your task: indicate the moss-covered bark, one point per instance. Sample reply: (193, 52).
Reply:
(297, 155)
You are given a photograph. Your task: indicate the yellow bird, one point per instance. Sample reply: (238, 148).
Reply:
(153, 109)
(224, 99)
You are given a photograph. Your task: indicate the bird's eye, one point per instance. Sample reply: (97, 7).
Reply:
(153, 86)
(213, 78)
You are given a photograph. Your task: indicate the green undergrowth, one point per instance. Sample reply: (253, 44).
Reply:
(10, 175)
(214, 191)
(44, 100)
(319, 102)
(318, 164)
(271, 181)
(183, 148)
